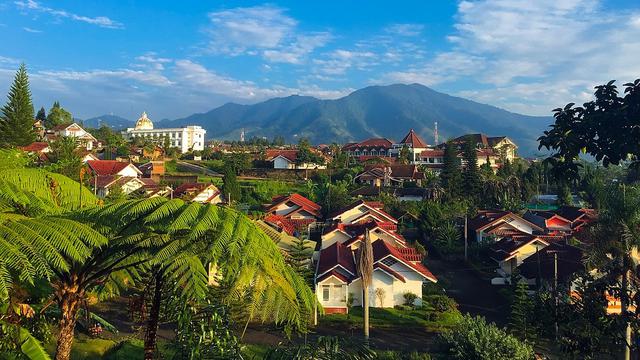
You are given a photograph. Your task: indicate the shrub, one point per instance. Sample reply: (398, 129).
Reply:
(474, 339)
(410, 298)
(441, 303)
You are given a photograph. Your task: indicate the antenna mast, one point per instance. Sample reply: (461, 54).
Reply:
(435, 133)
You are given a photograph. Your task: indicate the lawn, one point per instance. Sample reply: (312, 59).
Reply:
(86, 348)
(426, 317)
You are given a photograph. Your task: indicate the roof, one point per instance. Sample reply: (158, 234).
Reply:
(191, 187)
(375, 208)
(389, 271)
(334, 256)
(569, 262)
(398, 171)
(109, 167)
(571, 213)
(299, 200)
(366, 191)
(432, 153)
(35, 147)
(414, 140)
(106, 181)
(506, 248)
(486, 217)
(62, 126)
(369, 143)
(290, 226)
(382, 250)
(289, 154)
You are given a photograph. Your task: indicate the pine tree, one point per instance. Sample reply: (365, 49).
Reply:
(299, 258)
(16, 118)
(230, 186)
(471, 174)
(520, 320)
(42, 115)
(58, 116)
(451, 177)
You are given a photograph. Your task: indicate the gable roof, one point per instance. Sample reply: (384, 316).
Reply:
(508, 247)
(288, 154)
(369, 143)
(414, 140)
(299, 200)
(571, 213)
(382, 250)
(374, 208)
(569, 262)
(290, 226)
(35, 147)
(109, 167)
(334, 256)
(192, 187)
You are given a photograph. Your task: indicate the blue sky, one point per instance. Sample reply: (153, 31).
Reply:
(174, 58)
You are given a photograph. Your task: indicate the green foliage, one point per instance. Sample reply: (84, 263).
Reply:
(65, 158)
(333, 196)
(58, 116)
(440, 303)
(300, 257)
(230, 186)
(474, 339)
(470, 176)
(409, 298)
(325, 348)
(450, 176)
(17, 343)
(604, 128)
(521, 319)
(405, 156)
(41, 115)
(448, 238)
(564, 195)
(16, 117)
(306, 156)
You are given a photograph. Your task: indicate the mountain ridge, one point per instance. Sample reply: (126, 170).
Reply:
(374, 111)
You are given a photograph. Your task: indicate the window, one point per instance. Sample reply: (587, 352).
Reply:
(389, 261)
(325, 292)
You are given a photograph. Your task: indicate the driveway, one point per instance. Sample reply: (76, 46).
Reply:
(198, 169)
(474, 294)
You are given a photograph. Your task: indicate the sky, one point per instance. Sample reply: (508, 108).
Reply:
(175, 58)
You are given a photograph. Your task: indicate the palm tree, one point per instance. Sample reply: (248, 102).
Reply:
(365, 270)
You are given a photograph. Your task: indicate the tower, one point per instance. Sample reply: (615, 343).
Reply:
(435, 133)
(242, 135)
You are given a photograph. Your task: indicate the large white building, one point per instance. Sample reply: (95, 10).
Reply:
(186, 138)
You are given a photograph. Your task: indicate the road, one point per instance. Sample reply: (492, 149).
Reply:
(198, 169)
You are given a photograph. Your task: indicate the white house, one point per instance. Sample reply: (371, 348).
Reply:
(185, 138)
(105, 183)
(490, 225)
(286, 159)
(84, 138)
(199, 192)
(362, 211)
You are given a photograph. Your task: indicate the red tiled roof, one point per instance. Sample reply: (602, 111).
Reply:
(304, 203)
(389, 270)
(290, 226)
(61, 127)
(289, 154)
(35, 147)
(336, 255)
(414, 140)
(381, 250)
(369, 143)
(432, 153)
(107, 167)
(190, 187)
(331, 273)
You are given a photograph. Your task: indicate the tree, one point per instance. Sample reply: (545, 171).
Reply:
(306, 155)
(230, 186)
(451, 177)
(405, 156)
(474, 339)
(564, 195)
(520, 319)
(300, 257)
(16, 117)
(471, 175)
(65, 158)
(365, 271)
(58, 116)
(42, 115)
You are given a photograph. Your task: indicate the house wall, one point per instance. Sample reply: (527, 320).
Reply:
(129, 171)
(206, 194)
(302, 214)
(284, 209)
(413, 284)
(352, 214)
(281, 163)
(131, 186)
(337, 291)
(516, 221)
(333, 237)
(394, 289)
(523, 253)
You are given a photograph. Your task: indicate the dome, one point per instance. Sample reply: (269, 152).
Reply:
(144, 123)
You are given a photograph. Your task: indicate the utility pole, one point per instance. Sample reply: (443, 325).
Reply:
(466, 242)
(555, 291)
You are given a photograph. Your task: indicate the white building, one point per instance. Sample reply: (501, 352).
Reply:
(185, 138)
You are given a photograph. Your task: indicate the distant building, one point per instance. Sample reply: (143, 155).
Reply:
(288, 159)
(413, 143)
(185, 138)
(84, 138)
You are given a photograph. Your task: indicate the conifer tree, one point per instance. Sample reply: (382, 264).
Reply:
(42, 115)
(230, 186)
(451, 177)
(471, 174)
(300, 257)
(520, 320)
(16, 117)
(58, 116)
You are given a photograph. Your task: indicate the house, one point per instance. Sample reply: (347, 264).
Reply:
(413, 143)
(551, 222)
(389, 175)
(113, 167)
(362, 211)
(287, 159)
(542, 265)
(104, 184)
(501, 145)
(579, 217)
(86, 156)
(283, 239)
(490, 225)
(39, 149)
(294, 206)
(153, 169)
(291, 226)
(352, 234)
(84, 138)
(199, 192)
(395, 273)
(375, 147)
(510, 251)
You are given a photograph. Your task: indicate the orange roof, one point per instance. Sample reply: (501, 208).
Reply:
(414, 140)
(107, 167)
(304, 203)
(35, 147)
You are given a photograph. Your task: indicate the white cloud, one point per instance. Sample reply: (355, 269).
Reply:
(8, 60)
(338, 61)
(405, 29)
(261, 30)
(28, 29)
(102, 21)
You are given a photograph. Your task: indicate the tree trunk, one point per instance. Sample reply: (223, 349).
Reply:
(365, 307)
(69, 304)
(151, 334)
(624, 301)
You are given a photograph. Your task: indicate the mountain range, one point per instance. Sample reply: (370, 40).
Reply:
(375, 111)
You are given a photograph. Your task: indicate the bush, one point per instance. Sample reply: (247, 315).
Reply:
(397, 355)
(410, 298)
(441, 303)
(474, 339)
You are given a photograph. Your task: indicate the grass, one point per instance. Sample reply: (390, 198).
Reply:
(86, 348)
(418, 318)
(254, 351)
